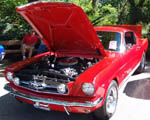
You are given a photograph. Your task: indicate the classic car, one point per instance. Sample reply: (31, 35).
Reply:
(2, 52)
(84, 66)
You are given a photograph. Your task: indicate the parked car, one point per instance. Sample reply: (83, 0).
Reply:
(84, 66)
(2, 53)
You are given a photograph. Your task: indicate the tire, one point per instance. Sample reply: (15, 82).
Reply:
(110, 103)
(141, 68)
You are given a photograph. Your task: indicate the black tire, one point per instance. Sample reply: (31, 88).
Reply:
(141, 68)
(104, 113)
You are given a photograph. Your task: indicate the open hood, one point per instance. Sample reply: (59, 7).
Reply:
(63, 27)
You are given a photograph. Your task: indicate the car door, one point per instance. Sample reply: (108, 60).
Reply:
(131, 56)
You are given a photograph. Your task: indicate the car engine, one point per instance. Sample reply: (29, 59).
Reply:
(48, 73)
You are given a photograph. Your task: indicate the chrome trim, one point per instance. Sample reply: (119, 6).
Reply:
(130, 74)
(54, 93)
(45, 107)
(67, 111)
(33, 88)
(52, 101)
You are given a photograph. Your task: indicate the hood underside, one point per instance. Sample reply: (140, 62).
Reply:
(63, 27)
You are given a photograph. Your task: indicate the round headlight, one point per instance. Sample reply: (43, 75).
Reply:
(9, 76)
(88, 88)
(61, 88)
(16, 81)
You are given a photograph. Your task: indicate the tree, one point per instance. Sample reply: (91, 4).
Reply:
(12, 26)
(136, 13)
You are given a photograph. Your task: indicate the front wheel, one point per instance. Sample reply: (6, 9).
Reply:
(109, 106)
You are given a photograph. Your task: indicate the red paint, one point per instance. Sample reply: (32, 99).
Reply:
(30, 39)
(68, 23)
(63, 27)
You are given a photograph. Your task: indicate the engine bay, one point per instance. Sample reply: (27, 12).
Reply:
(51, 71)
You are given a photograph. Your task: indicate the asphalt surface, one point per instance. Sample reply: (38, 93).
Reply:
(133, 103)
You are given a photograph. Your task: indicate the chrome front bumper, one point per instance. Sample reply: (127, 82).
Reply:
(52, 101)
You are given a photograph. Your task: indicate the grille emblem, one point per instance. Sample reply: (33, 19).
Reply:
(38, 82)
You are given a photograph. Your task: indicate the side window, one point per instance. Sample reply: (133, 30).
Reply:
(130, 39)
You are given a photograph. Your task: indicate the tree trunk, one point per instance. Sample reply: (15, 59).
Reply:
(94, 2)
(135, 13)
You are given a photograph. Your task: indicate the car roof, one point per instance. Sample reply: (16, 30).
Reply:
(111, 28)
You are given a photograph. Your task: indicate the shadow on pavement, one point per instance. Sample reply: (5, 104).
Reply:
(138, 89)
(13, 110)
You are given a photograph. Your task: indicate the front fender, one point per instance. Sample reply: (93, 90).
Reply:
(100, 75)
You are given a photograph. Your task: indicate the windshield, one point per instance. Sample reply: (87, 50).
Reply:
(110, 40)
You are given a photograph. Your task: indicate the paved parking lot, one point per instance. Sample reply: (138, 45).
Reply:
(133, 104)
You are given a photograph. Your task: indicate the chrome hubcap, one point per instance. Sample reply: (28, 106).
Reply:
(111, 100)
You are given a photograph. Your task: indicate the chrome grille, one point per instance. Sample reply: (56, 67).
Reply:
(43, 84)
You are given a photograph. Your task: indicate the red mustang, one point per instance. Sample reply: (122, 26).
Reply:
(85, 65)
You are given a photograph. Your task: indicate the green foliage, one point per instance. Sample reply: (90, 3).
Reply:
(13, 31)
(102, 14)
(8, 8)
(110, 15)
(12, 25)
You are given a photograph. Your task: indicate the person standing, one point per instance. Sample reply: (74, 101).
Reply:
(42, 48)
(28, 43)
